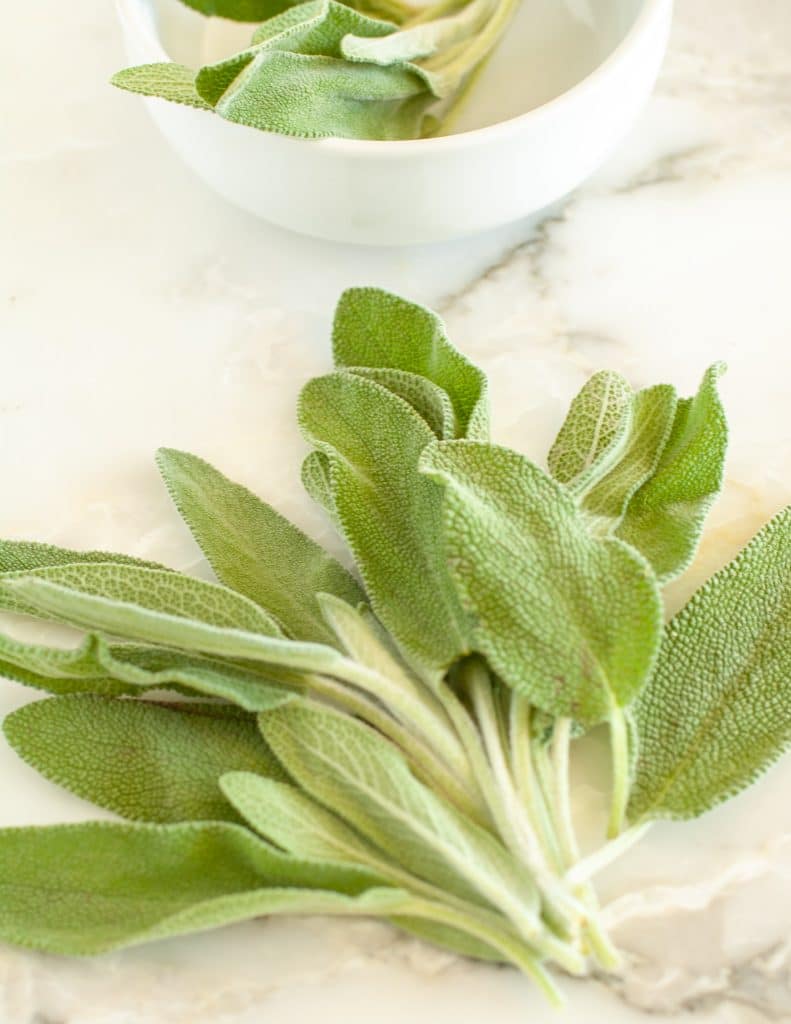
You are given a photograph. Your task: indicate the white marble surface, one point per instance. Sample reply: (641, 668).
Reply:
(136, 309)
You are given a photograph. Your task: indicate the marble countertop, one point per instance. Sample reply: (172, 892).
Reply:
(137, 309)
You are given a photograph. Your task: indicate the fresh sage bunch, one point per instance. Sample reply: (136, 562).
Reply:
(367, 70)
(298, 738)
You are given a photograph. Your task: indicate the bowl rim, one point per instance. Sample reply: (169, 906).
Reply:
(650, 15)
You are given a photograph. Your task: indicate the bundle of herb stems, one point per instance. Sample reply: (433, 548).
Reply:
(297, 738)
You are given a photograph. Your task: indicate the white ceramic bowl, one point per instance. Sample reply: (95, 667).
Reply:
(589, 75)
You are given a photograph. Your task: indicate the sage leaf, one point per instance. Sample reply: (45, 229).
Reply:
(377, 329)
(56, 669)
(359, 775)
(593, 432)
(665, 517)
(298, 54)
(83, 596)
(316, 481)
(289, 818)
(607, 499)
(22, 555)
(166, 81)
(146, 762)
(254, 550)
(142, 668)
(89, 888)
(429, 401)
(389, 513)
(717, 711)
(520, 551)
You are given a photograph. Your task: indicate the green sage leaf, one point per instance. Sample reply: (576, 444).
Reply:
(298, 55)
(665, 518)
(85, 889)
(293, 821)
(21, 555)
(374, 328)
(146, 762)
(254, 550)
(389, 513)
(594, 431)
(570, 621)
(172, 82)
(606, 500)
(85, 596)
(429, 401)
(717, 711)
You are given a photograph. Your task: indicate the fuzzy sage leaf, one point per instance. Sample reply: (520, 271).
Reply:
(717, 711)
(540, 557)
(146, 762)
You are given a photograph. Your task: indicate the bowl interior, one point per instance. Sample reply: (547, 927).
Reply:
(550, 46)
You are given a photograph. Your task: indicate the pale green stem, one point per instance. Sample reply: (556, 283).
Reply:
(457, 61)
(561, 741)
(420, 711)
(527, 785)
(510, 947)
(562, 903)
(619, 748)
(586, 868)
(425, 763)
(432, 11)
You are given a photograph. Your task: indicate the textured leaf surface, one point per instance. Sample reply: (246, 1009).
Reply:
(160, 668)
(427, 399)
(69, 602)
(359, 775)
(717, 711)
(156, 590)
(254, 550)
(146, 762)
(172, 82)
(294, 80)
(56, 669)
(85, 889)
(607, 498)
(390, 514)
(290, 819)
(377, 329)
(20, 555)
(665, 517)
(570, 621)
(593, 432)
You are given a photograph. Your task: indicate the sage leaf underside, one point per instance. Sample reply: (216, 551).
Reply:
(290, 819)
(570, 621)
(18, 556)
(717, 711)
(389, 513)
(360, 776)
(144, 761)
(255, 550)
(86, 598)
(377, 329)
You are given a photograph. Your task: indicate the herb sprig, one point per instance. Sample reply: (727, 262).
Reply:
(296, 738)
(367, 70)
